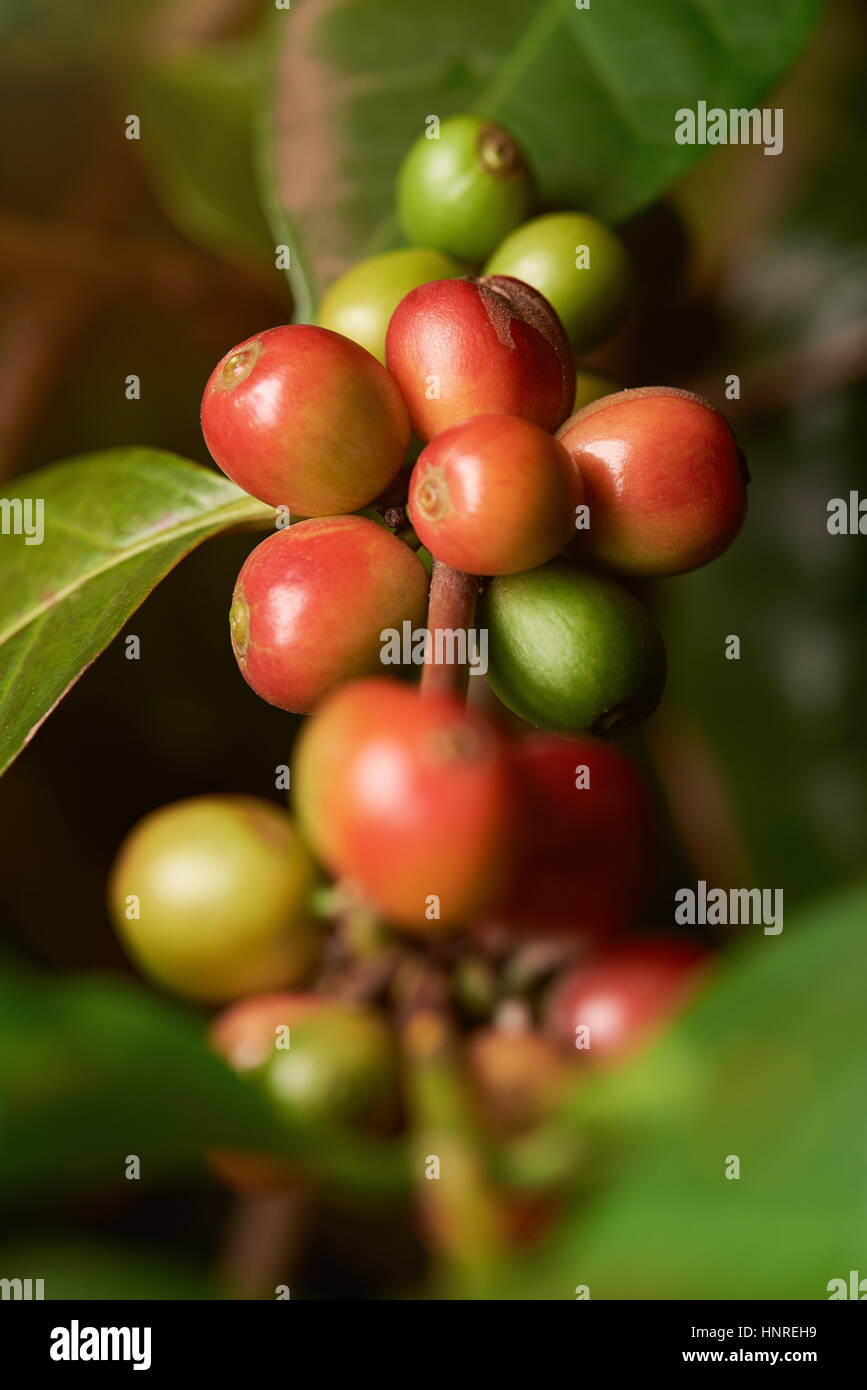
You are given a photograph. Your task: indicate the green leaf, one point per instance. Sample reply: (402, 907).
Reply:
(197, 113)
(592, 95)
(115, 523)
(94, 1069)
(768, 1066)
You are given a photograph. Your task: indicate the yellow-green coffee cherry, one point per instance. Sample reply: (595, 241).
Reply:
(578, 264)
(209, 897)
(360, 303)
(592, 386)
(464, 189)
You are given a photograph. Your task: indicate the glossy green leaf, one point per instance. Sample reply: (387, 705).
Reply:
(769, 1067)
(591, 93)
(197, 112)
(115, 523)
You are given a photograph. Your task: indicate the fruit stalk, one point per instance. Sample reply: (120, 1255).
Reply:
(451, 608)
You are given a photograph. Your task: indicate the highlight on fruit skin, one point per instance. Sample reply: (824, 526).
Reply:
(494, 495)
(407, 795)
(462, 187)
(572, 651)
(303, 418)
(617, 1002)
(209, 896)
(311, 603)
(486, 346)
(360, 303)
(665, 481)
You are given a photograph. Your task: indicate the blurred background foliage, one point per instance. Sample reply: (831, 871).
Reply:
(153, 256)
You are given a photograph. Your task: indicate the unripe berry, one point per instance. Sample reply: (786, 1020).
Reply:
(624, 997)
(494, 495)
(665, 481)
(303, 418)
(360, 303)
(408, 795)
(209, 896)
(463, 191)
(578, 264)
(312, 601)
(588, 840)
(458, 348)
(318, 1060)
(570, 651)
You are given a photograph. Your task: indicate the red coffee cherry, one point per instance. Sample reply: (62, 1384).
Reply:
(491, 346)
(588, 839)
(624, 997)
(664, 480)
(303, 418)
(408, 795)
(311, 602)
(494, 495)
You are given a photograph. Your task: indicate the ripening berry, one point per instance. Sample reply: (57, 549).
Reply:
(494, 495)
(588, 840)
(666, 484)
(303, 418)
(493, 346)
(624, 997)
(311, 604)
(210, 895)
(408, 795)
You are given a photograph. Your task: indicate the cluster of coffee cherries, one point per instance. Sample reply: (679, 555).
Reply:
(433, 420)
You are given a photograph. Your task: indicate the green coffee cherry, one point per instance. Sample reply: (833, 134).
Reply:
(592, 386)
(569, 650)
(338, 1068)
(578, 264)
(465, 190)
(360, 303)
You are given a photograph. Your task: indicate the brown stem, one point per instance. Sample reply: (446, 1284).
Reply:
(262, 1241)
(451, 609)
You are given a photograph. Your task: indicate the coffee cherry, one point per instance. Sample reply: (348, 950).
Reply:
(624, 997)
(408, 795)
(517, 1077)
(339, 1069)
(463, 191)
(588, 840)
(320, 1061)
(303, 418)
(246, 1035)
(591, 386)
(494, 495)
(570, 651)
(578, 264)
(209, 896)
(311, 604)
(666, 484)
(459, 348)
(360, 303)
